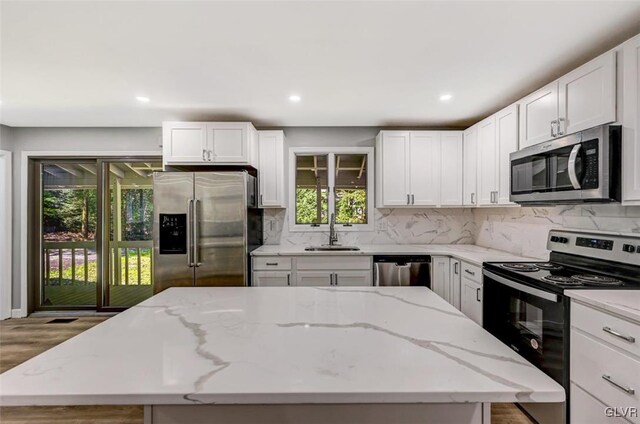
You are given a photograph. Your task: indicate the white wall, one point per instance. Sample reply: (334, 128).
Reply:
(67, 140)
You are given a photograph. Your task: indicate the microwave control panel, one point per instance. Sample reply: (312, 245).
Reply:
(591, 165)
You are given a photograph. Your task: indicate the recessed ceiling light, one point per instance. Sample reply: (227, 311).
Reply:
(142, 99)
(446, 97)
(295, 98)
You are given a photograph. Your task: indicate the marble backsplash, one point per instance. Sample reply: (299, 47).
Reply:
(517, 230)
(392, 226)
(523, 231)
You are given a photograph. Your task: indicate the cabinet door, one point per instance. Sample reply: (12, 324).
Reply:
(507, 143)
(271, 169)
(184, 142)
(470, 171)
(471, 299)
(271, 279)
(454, 285)
(424, 168)
(587, 95)
(487, 161)
(631, 121)
(537, 111)
(394, 155)
(229, 142)
(314, 278)
(353, 278)
(451, 168)
(440, 269)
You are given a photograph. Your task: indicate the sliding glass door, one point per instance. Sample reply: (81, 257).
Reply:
(92, 247)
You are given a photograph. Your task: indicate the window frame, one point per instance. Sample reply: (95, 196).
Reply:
(331, 153)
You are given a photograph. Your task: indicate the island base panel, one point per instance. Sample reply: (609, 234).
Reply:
(427, 413)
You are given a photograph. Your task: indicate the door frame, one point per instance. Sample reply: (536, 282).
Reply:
(26, 192)
(6, 248)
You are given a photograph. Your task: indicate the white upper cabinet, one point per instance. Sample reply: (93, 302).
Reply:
(487, 161)
(470, 166)
(418, 169)
(271, 169)
(582, 99)
(451, 168)
(424, 168)
(392, 175)
(184, 142)
(631, 122)
(226, 143)
(587, 95)
(507, 143)
(539, 115)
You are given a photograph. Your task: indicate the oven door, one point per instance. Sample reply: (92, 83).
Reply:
(531, 321)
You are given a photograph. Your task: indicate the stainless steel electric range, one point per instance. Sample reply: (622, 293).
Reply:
(525, 306)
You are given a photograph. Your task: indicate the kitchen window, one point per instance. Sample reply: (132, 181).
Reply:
(332, 181)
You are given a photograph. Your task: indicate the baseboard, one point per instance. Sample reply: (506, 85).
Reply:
(18, 313)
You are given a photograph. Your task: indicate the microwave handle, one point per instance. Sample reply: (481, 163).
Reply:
(572, 167)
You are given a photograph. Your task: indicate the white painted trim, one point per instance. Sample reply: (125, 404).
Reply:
(24, 183)
(331, 151)
(6, 281)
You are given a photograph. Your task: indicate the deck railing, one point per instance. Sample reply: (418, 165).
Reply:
(76, 262)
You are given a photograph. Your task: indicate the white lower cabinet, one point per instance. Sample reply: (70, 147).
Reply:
(471, 299)
(314, 278)
(312, 271)
(271, 278)
(604, 365)
(445, 278)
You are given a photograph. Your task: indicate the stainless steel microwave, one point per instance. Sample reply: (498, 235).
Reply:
(578, 168)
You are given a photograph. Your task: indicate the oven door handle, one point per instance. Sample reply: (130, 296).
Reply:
(571, 167)
(521, 287)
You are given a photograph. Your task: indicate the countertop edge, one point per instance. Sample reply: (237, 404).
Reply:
(607, 306)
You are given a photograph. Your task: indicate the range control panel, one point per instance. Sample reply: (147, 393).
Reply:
(173, 233)
(612, 247)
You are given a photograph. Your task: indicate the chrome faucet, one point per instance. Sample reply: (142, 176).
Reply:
(333, 236)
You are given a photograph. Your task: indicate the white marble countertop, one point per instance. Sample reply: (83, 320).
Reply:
(466, 252)
(625, 303)
(249, 345)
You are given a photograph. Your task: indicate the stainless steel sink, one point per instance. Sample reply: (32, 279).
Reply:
(332, 248)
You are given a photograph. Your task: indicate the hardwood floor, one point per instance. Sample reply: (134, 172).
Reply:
(21, 339)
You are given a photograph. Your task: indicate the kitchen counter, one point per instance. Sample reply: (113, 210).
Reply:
(625, 303)
(467, 252)
(301, 345)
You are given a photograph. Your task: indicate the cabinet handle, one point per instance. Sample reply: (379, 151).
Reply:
(413, 200)
(272, 263)
(204, 154)
(261, 202)
(554, 122)
(408, 199)
(473, 198)
(560, 121)
(629, 390)
(478, 295)
(620, 336)
(331, 279)
(288, 279)
(335, 279)
(455, 268)
(469, 272)
(210, 155)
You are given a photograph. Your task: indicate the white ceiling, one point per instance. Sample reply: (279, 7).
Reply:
(353, 63)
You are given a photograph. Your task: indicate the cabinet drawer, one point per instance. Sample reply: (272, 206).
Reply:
(333, 262)
(585, 409)
(592, 362)
(271, 279)
(617, 331)
(271, 263)
(472, 272)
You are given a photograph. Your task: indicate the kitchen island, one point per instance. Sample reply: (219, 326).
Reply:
(285, 355)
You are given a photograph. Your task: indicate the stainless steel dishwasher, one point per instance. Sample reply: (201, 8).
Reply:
(402, 270)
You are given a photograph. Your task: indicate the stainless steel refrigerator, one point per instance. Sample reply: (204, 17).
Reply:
(205, 224)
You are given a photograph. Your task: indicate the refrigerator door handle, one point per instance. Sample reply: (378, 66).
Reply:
(196, 231)
(189, 235)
